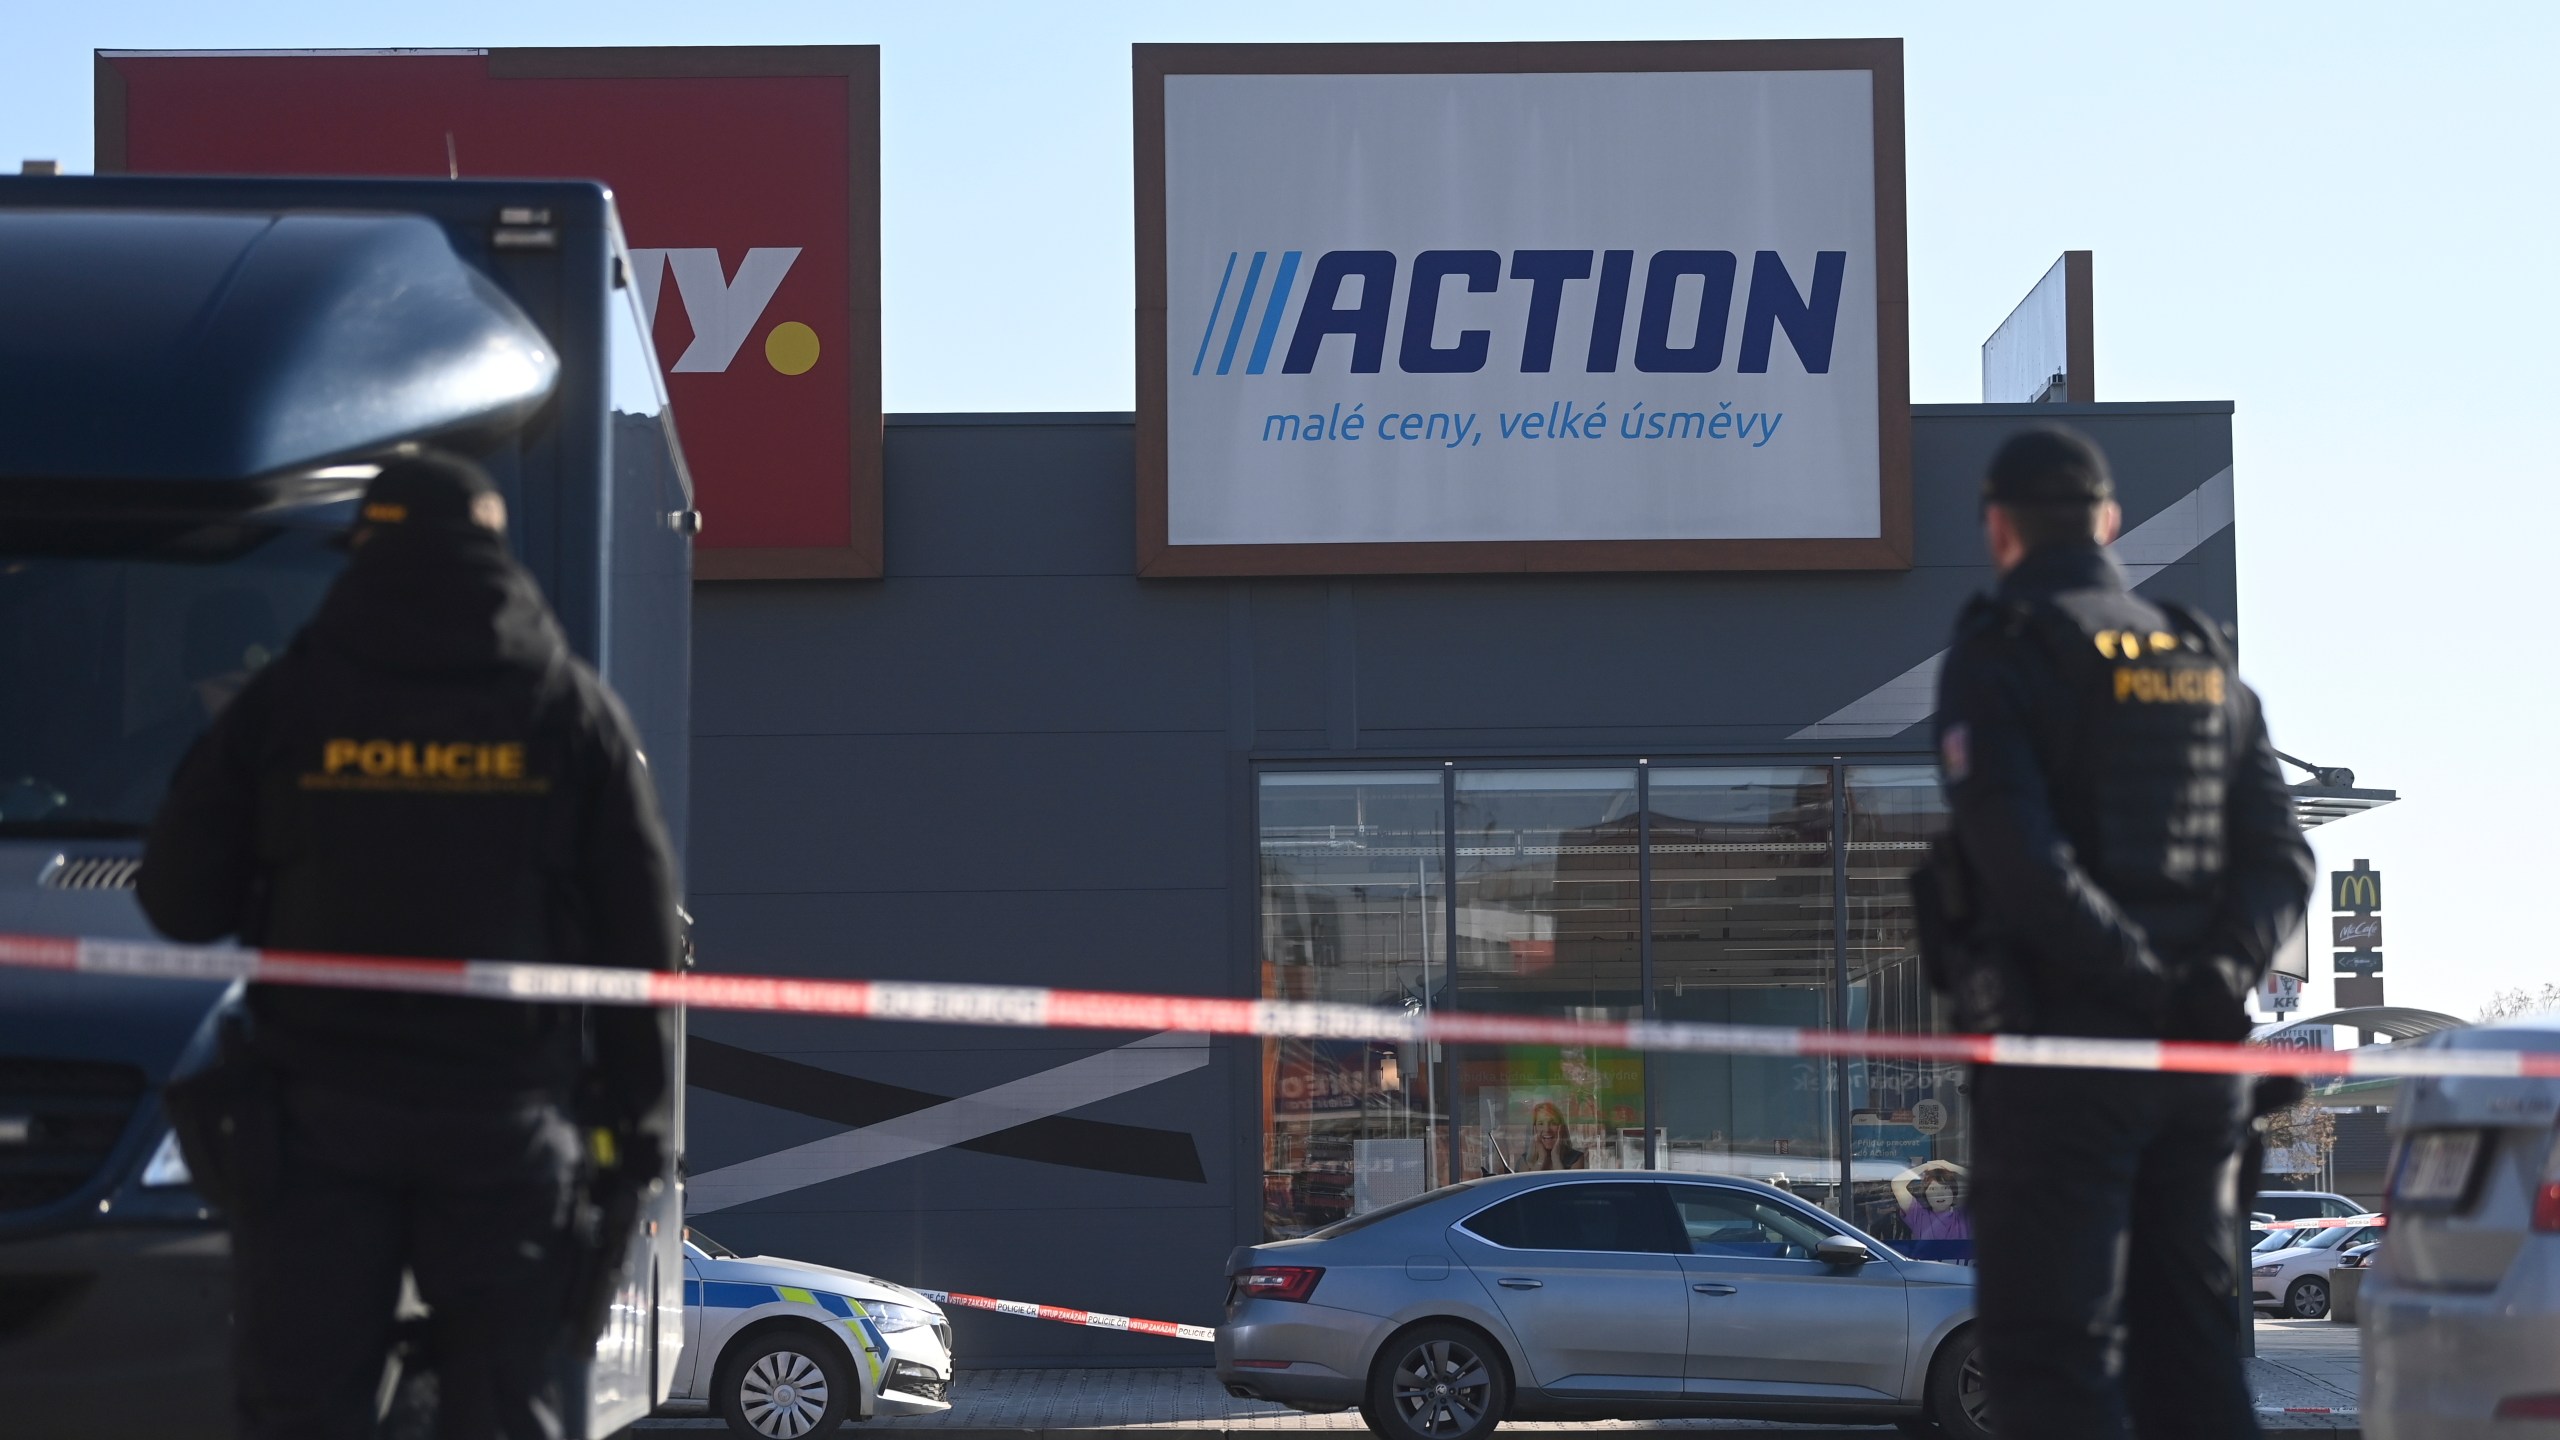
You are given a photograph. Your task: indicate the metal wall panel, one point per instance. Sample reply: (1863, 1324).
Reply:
(1013, 761)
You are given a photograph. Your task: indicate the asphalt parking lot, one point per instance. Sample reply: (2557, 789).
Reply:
(2304, 1375)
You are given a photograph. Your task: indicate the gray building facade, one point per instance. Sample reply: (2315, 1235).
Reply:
(1011, 761)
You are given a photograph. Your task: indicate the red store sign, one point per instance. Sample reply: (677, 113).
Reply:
(748, 183)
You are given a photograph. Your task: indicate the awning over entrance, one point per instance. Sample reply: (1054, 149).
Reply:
(2317, 804)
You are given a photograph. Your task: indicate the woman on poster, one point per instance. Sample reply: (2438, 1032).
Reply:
(1551, 1146)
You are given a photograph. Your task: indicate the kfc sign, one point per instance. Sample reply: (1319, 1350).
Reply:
(748, 183)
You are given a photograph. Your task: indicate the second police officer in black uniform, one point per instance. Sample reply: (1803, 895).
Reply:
(426, 771)
(2124, 852)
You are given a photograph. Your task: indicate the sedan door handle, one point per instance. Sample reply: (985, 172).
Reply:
(1516, 1282)
(1713, 1289)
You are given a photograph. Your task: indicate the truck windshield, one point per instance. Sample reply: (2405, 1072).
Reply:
(109, 668)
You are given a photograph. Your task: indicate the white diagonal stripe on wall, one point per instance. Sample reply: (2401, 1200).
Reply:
(2143, 551)
(1071, 1086)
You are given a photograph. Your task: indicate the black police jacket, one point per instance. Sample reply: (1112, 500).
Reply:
(427, 770)
(2114, 793)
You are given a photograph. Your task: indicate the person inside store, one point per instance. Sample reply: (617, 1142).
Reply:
(1930, 1197)
(425, 771)
(2122, 860)
(1551, 1146)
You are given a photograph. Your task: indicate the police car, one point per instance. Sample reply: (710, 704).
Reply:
(782, 1349)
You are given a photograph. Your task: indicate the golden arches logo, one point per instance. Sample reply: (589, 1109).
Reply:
(2356, 891)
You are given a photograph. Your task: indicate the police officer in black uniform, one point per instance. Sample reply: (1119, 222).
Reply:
(426, 771)
(2132, 863)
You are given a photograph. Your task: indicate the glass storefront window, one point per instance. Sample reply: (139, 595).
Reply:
(1909, 1125)
(1547, 926)
(1524, 890)
(1742, 935)
(1352, 911)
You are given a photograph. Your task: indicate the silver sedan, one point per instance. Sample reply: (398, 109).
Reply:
(1601, 1295)
(2460, 1311)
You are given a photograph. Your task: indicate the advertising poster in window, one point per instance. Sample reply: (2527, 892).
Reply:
(1504, 307)
(1540, 1108)
(748, 184)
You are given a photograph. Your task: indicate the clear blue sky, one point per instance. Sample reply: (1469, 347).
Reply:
(2339, 216)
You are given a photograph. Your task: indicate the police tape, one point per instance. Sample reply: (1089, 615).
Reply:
(1043, 1008)
(2326, 1223)
(1090, 1319)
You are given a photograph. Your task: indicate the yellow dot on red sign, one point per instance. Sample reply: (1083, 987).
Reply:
(791, 347)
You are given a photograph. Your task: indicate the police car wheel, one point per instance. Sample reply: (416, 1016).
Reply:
(784, 1385)
(2308, 1299)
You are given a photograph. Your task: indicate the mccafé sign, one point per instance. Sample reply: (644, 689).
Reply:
(748, 185)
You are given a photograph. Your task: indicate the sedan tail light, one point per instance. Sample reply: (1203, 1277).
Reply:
(2529, 1407)
(2546, 1201)
(1279, 1282)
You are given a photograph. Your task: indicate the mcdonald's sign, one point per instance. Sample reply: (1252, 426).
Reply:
(2358, 891)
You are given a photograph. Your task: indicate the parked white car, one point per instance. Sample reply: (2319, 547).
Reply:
(2294, 1280)
(781, 1349)
(2305, 1205)
(2461, 1310)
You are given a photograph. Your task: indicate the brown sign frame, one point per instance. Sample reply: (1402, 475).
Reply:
(860, 557)
(1889, 549)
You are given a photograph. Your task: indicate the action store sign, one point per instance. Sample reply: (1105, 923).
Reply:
(1578, 307)
(748, 184)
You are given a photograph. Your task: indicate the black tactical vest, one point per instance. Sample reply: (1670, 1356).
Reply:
(2140, 768)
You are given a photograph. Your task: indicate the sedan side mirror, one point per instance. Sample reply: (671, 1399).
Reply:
(1841, 1250)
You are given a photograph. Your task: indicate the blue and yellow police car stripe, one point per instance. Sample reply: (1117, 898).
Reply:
(737, 1295)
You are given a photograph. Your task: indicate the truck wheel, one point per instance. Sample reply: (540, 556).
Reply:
(784, 1385)
(1957, 1400)
(2308, 1299)
(1437, 1382)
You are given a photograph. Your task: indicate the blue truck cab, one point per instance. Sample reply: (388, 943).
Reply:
(196, 376)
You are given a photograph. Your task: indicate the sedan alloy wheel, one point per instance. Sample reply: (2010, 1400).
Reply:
(1972, 1398)
(1958, 1400)
(1442, 1383)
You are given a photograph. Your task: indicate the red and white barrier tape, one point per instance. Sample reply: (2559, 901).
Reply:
(1041, 1008)
(1090, 1319)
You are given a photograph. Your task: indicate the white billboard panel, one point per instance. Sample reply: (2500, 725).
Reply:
(2042, 352)
(1460, 316)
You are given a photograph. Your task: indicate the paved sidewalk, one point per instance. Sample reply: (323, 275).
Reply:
(2304, 1376)
(2303, 1368)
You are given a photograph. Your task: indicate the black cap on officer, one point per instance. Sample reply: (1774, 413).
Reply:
(429, 491)
(2048, 465)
